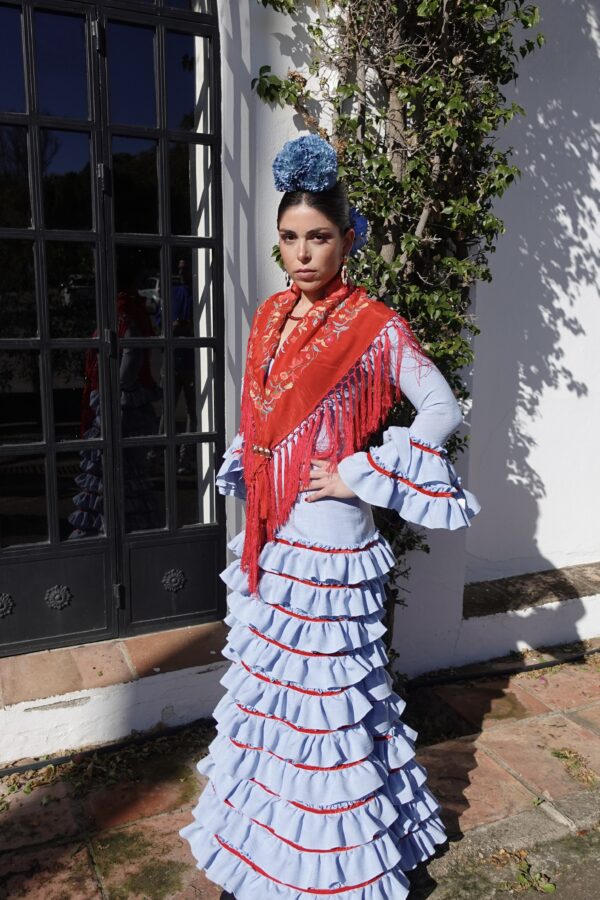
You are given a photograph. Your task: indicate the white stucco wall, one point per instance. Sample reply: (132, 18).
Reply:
(534, 421)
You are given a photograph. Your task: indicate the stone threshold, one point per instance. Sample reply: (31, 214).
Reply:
(68, 670)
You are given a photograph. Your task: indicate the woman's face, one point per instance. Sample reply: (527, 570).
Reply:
(312, 248)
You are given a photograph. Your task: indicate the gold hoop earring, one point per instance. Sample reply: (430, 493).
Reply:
(344, 273)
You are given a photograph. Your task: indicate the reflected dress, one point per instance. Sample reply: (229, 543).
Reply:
(313, 789)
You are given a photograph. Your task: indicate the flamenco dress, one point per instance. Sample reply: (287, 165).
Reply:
(313, 788)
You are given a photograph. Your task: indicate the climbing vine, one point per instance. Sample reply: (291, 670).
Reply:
(411, 95)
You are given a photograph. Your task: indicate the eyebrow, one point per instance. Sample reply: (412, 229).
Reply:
(323, 230)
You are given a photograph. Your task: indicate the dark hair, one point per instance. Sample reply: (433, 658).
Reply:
(332, 203)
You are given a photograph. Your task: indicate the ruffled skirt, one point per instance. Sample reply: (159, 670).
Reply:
(313, 786)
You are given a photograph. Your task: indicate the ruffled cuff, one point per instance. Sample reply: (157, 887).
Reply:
(230, 477)
(413, 477)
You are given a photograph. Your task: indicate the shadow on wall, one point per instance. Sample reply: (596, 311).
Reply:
(545, 273)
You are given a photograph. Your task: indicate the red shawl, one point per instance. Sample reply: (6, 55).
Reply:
(318, 385)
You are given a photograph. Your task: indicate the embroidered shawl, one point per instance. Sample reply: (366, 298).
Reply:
(316, 388)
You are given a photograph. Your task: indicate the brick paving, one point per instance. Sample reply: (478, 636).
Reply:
(524, 770)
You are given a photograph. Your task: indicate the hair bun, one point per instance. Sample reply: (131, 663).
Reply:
(307, 163)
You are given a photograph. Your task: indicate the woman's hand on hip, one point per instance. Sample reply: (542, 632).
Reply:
(325, 483)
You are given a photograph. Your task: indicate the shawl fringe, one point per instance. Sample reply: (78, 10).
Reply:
(341, 424)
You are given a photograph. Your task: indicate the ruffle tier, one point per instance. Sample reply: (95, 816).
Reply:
(313, 787)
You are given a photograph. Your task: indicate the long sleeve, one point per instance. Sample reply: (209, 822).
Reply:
(410, 471)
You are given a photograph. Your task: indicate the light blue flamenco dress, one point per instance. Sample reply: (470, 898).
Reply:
(313, 788)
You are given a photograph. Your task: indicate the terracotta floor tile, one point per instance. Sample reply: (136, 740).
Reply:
(151, 860)
(527, 747)
(471, 788)
(53, 873)
(588, 718)
(164, 785)
(44, 814)
(564, 687)
(168, 651)
(101, 664)
(488, 703)
(34, 676)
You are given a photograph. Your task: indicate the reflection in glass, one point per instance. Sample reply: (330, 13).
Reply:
(197, 6)
(23, 515)
(191, 184)
(193, 394)
(18, 316)
(71, 289)
(135, 185)
(195, 484)
(74, 378)
(80, 494)
(12, 84)
(130, 51)
(144, 488)
(61, 67)
(195, 265)
(188, 82)
(138, 273)
(15, 208)
(66, 179)
(20, 403)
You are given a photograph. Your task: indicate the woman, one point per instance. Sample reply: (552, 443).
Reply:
(313, 787)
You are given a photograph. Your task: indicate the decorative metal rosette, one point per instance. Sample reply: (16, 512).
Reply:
(58, 596)
(174, 580)
(7, 604)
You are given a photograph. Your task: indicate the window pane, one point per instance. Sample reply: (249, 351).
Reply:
(192, 289)
(193, 394)
(60, 65)
(135, 185)
(66, 179)
(144, 488)
(191, 188)
(18, 315)
(188, 82)
(20, 405)
(195, 484)
(23, 516)
(141, 391)
(81, 494)
(131, 74)
(76, 394)
(71, 289)
(15, 208)
(12, 83)
(137, 290)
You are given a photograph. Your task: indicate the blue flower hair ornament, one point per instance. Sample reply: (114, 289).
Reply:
(360, 225)
(307, 163)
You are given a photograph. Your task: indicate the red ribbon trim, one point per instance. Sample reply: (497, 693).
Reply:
(316, 810)
(308, 768)
(323, 550)
(295, 615)
(316, 584)
(291, 649)
(293, 688)
(299, 846)
(411, 484)
(261, 715)
(424, 448)
(320, 891)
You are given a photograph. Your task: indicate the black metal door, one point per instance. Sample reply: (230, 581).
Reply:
(111, 336)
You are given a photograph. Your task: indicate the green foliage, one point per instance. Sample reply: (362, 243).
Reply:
(410, 93)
